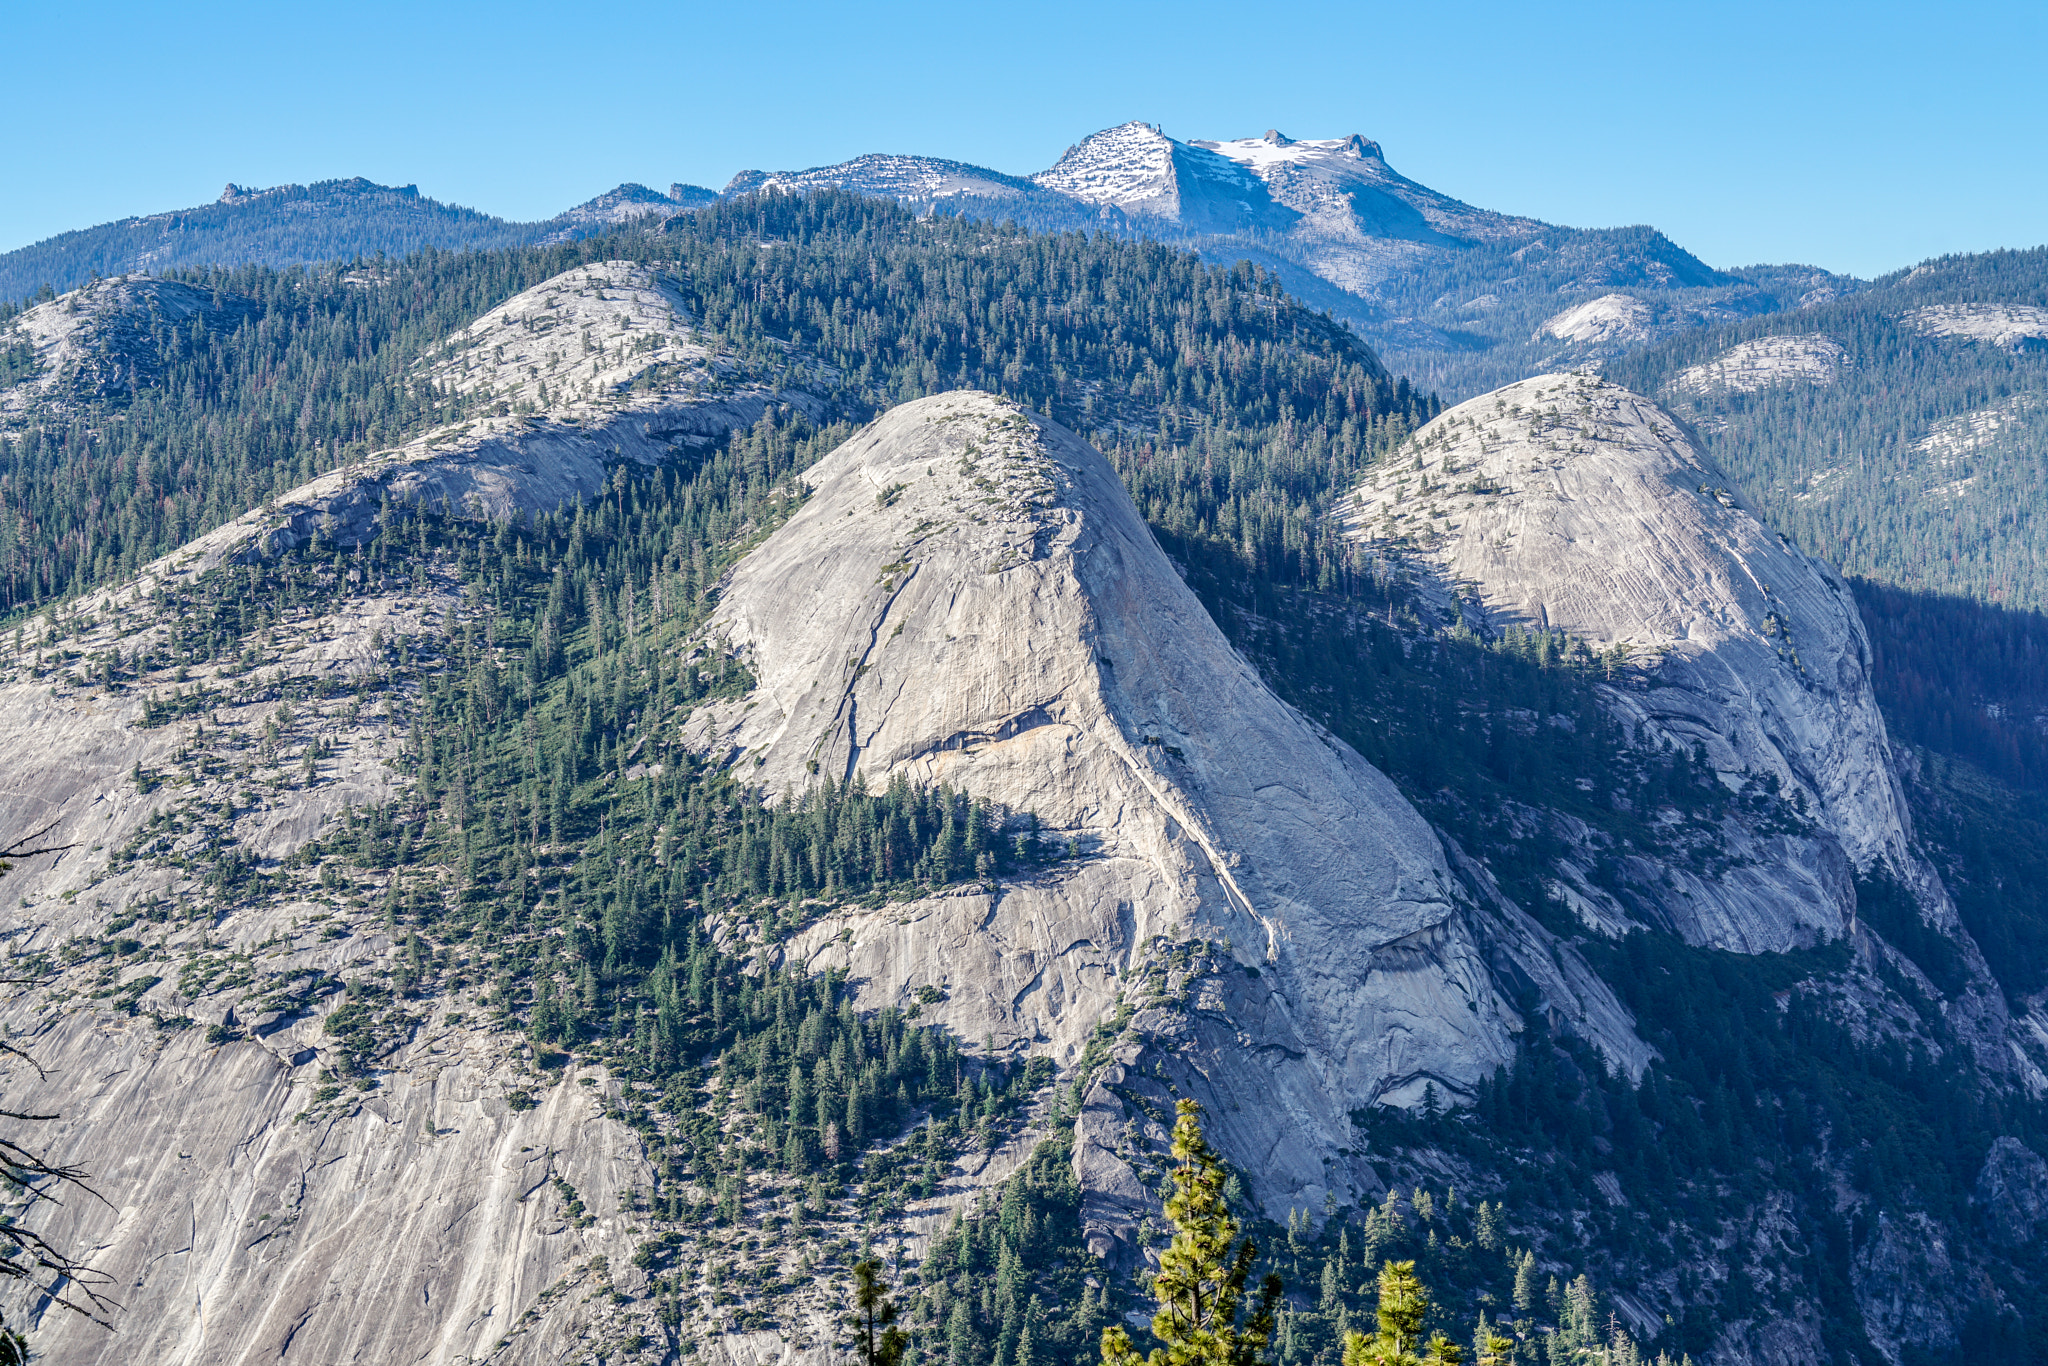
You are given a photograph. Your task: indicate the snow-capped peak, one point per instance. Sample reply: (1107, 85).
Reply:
(1129, 166)
(1344, 186)
(1276, 147)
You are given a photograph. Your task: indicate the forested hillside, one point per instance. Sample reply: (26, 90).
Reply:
(609, 896)
(1135, 340)
(1916, 459)
(1912, 458)
(286, 225)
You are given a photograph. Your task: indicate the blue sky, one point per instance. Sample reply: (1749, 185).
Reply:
(1861, 138)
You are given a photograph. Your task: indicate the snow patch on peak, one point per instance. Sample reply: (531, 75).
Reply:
(1346, 192)
(1276, 148)
(1129, 167)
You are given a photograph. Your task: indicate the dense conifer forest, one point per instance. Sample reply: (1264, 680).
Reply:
(625, 901)
(1919, 466)
(1166, 359)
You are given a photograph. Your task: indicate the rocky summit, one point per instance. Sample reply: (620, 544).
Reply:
(1565, 504)
(970, 598)
(566, 801)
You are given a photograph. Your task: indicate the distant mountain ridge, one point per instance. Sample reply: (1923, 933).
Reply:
(630, 201)
(1457, 297)
(891, 176)
(292, 224)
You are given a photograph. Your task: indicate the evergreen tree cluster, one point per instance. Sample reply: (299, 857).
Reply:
(615, 898)
(1237, 415)
(1880, 471)
(1760, 1094)
(1007, 1283)
(320, 369)
(559, 852)
(1761, 1089)
(1962, 677)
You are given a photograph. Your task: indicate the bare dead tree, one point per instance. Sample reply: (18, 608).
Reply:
(30, 1178)
(21, 848)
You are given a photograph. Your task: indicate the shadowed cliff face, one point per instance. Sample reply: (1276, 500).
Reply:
(969, 597)
(1565, 503)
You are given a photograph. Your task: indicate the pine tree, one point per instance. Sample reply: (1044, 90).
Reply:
(1403, 1307)
(1488, 1231)
(1403, 1304)
(1201, 1282)
(963, 1346)
(873, 1309)
(1027, 1340)
(1525, 1284)
(1489, 1348)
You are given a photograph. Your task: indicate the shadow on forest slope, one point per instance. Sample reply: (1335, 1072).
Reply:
(1961, 677)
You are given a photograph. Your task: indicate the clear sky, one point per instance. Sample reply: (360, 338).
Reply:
(1857, 137)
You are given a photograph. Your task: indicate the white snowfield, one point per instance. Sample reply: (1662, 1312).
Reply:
(1353, 219)
(1345, 184)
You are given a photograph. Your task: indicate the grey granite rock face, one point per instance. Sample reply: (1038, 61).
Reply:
(418, 1224)
(2012, 1191)
(969, 597)
(97, 343)
(250, 1204)
(1567, 503)
(1892, 1274)
(594, 367)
